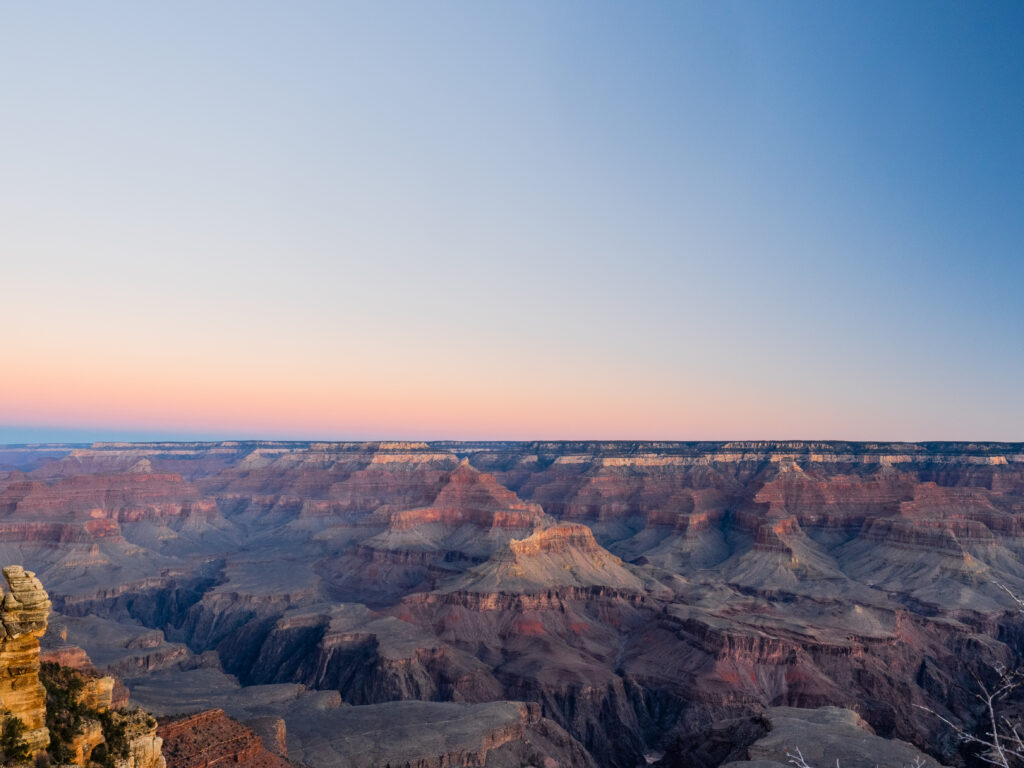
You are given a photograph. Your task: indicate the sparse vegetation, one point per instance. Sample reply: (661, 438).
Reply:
(64, 710)
(13, 747)
(66, 714)
(115, 736)
(797, 759)
(1000, 738)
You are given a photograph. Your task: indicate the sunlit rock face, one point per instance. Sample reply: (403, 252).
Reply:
(144, 745)
(23, 616)
(640, 594)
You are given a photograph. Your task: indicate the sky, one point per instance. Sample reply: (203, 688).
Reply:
(522, 220)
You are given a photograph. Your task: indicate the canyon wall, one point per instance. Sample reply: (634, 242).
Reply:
(639, 593)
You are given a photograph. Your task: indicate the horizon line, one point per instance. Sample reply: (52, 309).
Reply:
(479, 441)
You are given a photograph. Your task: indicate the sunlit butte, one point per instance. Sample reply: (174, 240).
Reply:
(512, 221)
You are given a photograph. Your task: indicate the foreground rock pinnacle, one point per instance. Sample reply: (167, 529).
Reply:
(23, 615)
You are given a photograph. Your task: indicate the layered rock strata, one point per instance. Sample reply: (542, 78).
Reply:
(144, 742)
(211, 739)
(432, 735)
(638, 592)
(23, 616)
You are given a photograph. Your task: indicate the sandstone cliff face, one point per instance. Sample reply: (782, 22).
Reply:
(23, 616)
(411, 549)
(144, 743)
(88, 738)
(327, 481)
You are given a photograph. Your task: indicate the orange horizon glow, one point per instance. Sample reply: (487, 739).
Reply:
(283, 406)
(274, 381)
(675, 221)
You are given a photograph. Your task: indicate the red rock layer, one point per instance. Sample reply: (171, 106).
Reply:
(557, 539)
(121, 498)
(211, 739)
(472, 497)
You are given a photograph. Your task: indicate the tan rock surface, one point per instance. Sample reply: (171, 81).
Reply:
(23, 616)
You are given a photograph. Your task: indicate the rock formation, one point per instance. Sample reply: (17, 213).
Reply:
(211, 739)
(86, 726)
(823, 736)
(144, 744)
(23, 616)
(559, 556)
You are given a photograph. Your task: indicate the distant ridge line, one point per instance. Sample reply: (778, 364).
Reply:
(599, 447)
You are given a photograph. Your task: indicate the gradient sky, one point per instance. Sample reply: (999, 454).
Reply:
(519, 220)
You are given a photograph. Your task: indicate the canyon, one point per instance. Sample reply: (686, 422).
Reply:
(539, 603)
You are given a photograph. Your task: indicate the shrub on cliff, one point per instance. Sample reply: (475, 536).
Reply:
(115, 736)
(13, 747)
(64, 711)
(66, 714)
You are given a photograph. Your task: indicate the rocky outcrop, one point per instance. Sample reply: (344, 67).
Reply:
(88, 738)
(211, 739)
(86, 728)
(23, 616)
(558, 556)
(826, 736)
(144, 745)
(434, 735)
(273, 732)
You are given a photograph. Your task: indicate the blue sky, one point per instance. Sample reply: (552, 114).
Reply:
(665, 220)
